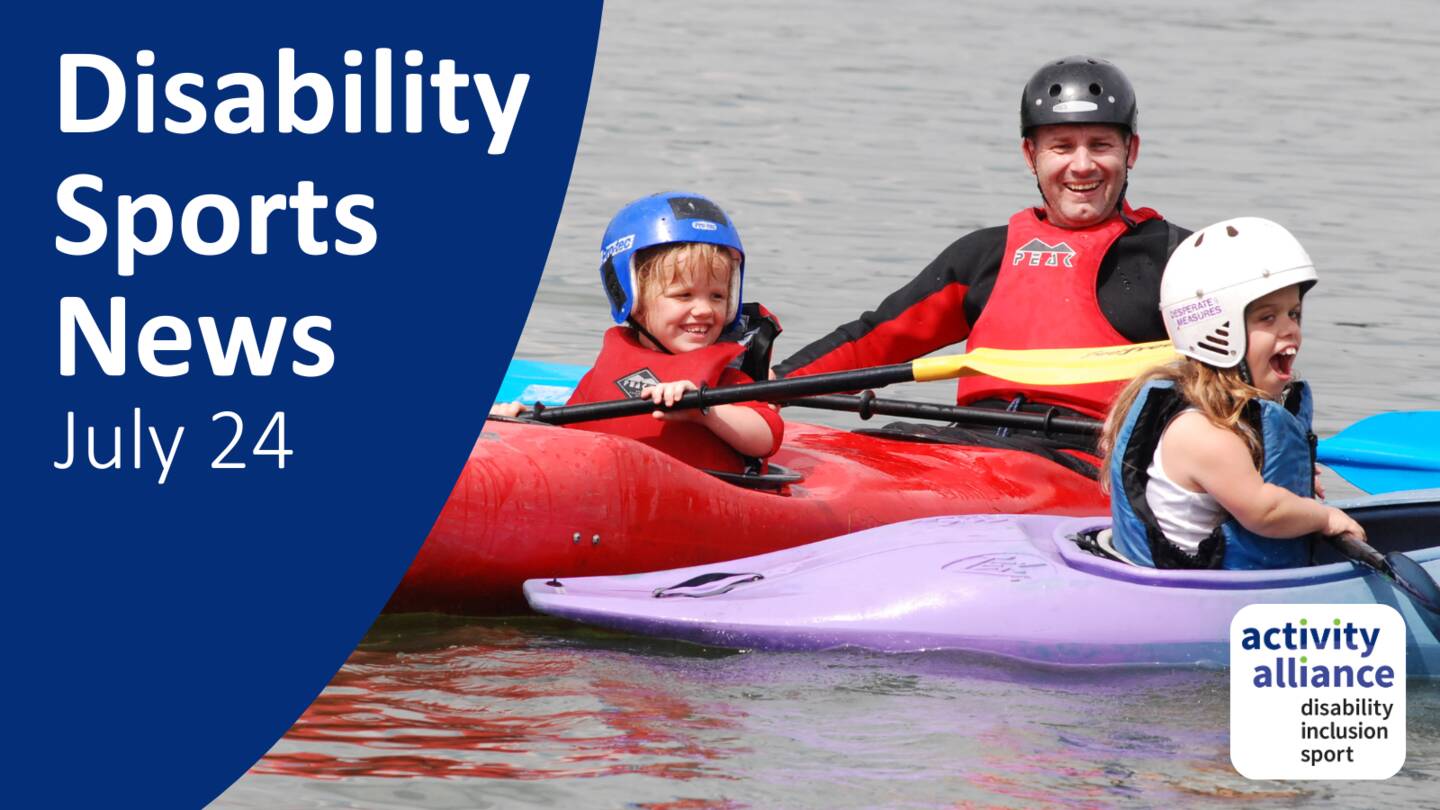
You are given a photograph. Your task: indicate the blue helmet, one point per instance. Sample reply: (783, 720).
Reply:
(670, 217)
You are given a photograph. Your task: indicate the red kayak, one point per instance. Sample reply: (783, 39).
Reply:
(542, 501)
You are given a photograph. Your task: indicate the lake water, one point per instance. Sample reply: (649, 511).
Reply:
(851, 142)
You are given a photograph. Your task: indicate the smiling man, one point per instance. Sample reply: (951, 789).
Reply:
(1082, 269)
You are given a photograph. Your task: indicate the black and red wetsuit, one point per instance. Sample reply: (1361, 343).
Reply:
(625, 367)
(1024, 285)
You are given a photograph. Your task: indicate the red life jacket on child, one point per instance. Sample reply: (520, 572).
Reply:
(1044, 298)
(625, 367)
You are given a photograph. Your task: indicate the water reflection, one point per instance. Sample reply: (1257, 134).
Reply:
(529, 711)
(486, 700)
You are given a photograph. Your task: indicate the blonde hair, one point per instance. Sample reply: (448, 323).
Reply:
(662, 265)
(1218, 393)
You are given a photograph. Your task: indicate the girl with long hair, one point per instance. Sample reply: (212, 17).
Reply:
(1210, 460)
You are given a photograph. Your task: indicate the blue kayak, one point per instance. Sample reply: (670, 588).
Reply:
(532, 381)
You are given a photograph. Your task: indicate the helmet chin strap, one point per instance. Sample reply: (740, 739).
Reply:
(1124, 187)
(1034, 172)
(635, 324)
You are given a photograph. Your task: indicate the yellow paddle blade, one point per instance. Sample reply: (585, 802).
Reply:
(1049, 366)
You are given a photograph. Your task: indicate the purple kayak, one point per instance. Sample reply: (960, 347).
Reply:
(1017, 586)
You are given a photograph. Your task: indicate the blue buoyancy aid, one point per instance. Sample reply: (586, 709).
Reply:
(1288, 461)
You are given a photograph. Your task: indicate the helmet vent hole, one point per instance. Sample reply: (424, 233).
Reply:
(1230, 230)
(1217, 342)
(1094, 89)
(1054, 91)
(1199, 239)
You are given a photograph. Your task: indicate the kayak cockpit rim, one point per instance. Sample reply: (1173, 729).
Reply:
(1395, 522)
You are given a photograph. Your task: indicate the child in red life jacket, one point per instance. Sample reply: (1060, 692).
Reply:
(672, 267)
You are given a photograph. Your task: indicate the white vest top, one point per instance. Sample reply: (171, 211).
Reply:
(1185, 517)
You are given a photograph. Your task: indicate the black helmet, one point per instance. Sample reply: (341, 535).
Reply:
(1078, 90)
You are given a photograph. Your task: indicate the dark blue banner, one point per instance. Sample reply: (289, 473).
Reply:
(266, 266)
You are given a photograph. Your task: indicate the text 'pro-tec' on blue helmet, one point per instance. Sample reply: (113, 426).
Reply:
(670, 217)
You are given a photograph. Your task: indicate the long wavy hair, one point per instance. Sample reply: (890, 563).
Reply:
(1219, 393)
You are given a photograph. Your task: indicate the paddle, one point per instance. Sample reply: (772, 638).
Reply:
(1027, 367)
(1387, 452)
(1407, 575)
(1383, 453)
(868, 405)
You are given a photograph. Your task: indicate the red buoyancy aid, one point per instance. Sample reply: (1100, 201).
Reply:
(1044, 298)
(625, 367)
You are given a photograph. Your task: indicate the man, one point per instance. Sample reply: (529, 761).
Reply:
(1083, 269)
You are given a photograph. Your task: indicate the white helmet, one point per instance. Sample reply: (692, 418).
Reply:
(1215, 273)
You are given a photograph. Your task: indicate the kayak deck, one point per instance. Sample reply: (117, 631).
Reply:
(1011, 586)
(535, 500)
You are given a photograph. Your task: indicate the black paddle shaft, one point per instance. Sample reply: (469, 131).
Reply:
(868, 405)
(1408, 575)
(768, 391)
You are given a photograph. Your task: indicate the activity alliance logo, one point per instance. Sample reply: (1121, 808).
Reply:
(1317, 691)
